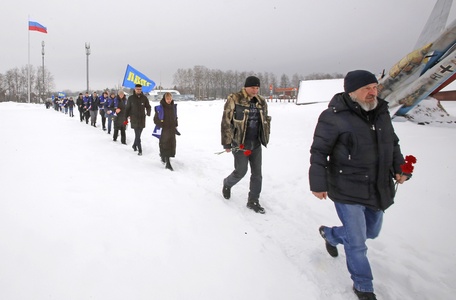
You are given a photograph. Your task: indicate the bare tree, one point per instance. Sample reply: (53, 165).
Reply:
(284, 81)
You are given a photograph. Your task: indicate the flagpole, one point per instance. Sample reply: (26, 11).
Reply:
(28, 63)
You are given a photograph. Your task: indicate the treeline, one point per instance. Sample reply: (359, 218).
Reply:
(199, 81)
(14, 84)
(207, 83)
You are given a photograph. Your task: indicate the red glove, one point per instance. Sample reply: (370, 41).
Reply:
(125, 122)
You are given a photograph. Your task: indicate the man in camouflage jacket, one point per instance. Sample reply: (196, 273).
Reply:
(245, 127)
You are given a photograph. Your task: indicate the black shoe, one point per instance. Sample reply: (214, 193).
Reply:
(168, 164)
(124, 143)
(115, 140)
(256, 207)
(139, 153)
(162, 158)
(134, 148)
(226, 191)
(364, 295)
(332, 250)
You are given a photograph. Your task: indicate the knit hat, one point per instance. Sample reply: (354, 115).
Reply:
(357, 79)
(252, 81)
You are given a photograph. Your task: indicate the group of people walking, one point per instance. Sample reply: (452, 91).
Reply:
(64, 105)
(355, 157)
(117, 111)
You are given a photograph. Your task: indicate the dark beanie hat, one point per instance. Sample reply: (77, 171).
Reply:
(252, 81)
(357, 79)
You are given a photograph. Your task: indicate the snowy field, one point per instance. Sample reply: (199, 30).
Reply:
(83, 217)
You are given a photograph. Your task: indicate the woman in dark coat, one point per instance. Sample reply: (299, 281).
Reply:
(166, 118)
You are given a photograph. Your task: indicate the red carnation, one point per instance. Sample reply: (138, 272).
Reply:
(407, 168)
(410, 159)
(241, 146)
(247, 152)
(125, 122)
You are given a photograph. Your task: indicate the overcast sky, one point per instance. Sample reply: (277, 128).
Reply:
(159, 37)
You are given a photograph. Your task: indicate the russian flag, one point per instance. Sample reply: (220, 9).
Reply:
(35, 26)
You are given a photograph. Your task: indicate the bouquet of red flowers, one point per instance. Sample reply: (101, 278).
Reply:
(407, 168)
(240, 148)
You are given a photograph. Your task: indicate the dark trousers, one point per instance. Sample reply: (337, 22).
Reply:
(87, 116)
(103, 118)
(241, 163)
(122, 133)
(81, 115)
(137, 143)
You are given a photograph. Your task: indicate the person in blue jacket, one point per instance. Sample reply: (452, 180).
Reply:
(101, 108)
(165, 118)
(109, 110)
(85, 107)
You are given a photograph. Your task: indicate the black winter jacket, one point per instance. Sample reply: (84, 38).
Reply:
(363, 151)
(137, 108)
(168, 124)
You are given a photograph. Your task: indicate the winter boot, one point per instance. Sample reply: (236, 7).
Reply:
(168, 164)
(332, 250)
(364, 295)
(226, 192)
(255, 206)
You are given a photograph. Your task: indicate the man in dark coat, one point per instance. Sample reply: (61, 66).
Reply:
(80, 105)
(355, 156)
(120, 103)
(166, 118)
(137, 107)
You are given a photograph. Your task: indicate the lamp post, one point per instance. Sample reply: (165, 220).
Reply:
(87, 47)
(43, 88)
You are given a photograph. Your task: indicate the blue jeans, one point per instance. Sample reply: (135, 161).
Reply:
(359, 224)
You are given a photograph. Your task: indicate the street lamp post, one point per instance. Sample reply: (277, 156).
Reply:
(43, 88)
(87, 46)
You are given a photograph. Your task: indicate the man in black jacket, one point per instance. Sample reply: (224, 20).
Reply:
(137, 107)
(357, 136)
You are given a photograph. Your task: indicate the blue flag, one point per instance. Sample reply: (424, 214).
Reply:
(133, 77)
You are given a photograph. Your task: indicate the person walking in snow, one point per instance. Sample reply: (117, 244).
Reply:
(245, 127)
(86, 105)
(80, 105)
(120, 103)
(101, 107)
(355, 158)
(109, 110)
(137, 107)
(165, 119)
(94, 102)
(70, 105)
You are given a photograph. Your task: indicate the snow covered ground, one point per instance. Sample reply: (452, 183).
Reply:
(83, 217)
